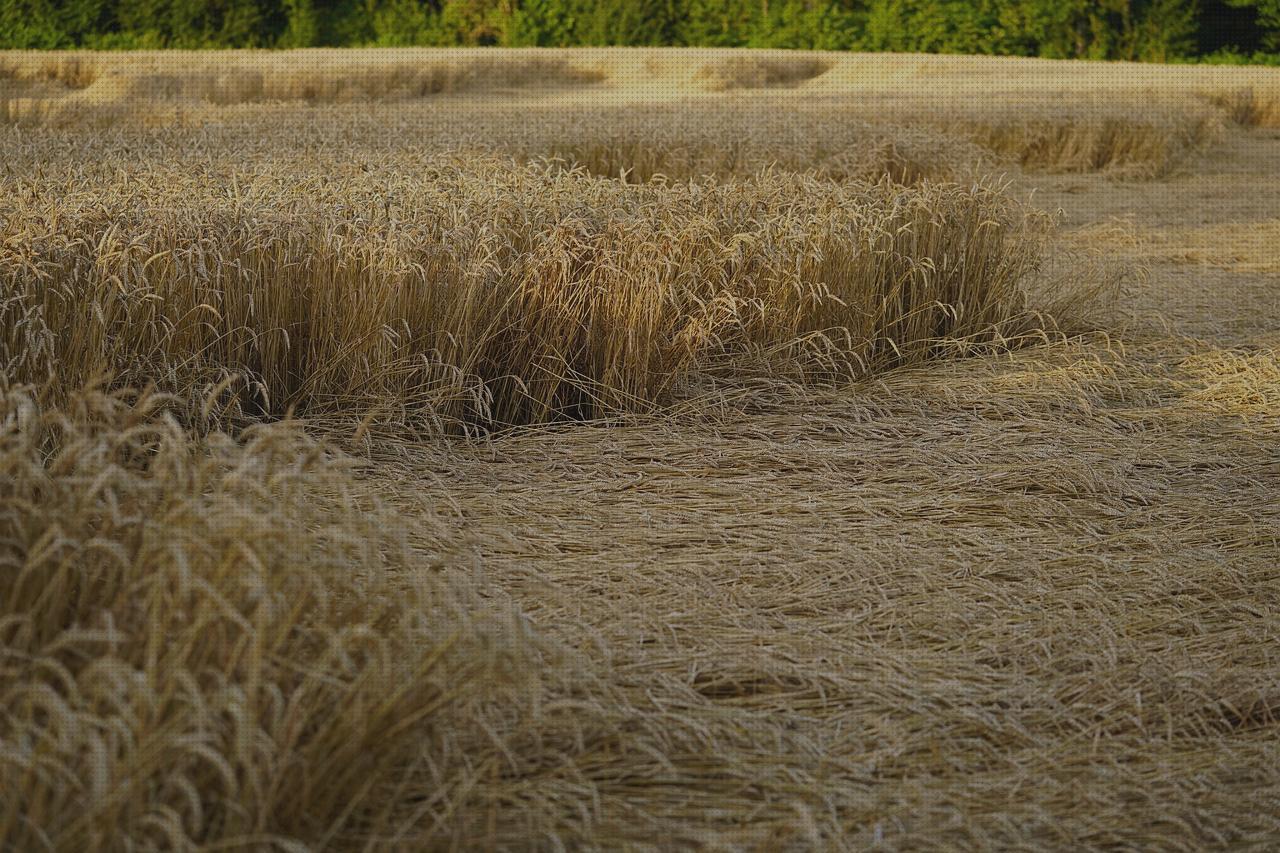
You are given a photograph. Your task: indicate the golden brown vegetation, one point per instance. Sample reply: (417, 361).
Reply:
(1069, 129)
(1249, 108)
(215, 639)
(977, 604)
(786, 597)
(694, 141)
(1093, 139)
(490, 294)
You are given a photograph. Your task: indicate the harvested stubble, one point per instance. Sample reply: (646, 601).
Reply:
(482, 293)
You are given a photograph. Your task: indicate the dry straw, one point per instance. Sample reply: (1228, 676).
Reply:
(1014, 601)
(215, 639)
(1058, 124)
(483, 294)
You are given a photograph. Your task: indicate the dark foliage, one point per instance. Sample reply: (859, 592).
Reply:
(1157, 30)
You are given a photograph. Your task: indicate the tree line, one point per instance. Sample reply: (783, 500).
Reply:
(1147, 30)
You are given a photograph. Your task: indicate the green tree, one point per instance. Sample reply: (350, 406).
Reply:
(1267, 20)
(542, 23)
(341, 23)
(46, 24)
(1102, 29)
(808, 25)
(1159, 30)
(935, 26)
(301, 28)
(470, 22)
(188, 23)
(716, 23)
(623, 22)
(402, 22)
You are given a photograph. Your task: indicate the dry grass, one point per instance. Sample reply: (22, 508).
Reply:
(1249, 108)
(395, 73)
(694, 140)
(216, 639)
(814, 583)
(991, 610)
(1017, 602)
(1066, 130)
(688, 139)
(326, 76)
(1090, 140)
(65, 88)
(485, 294)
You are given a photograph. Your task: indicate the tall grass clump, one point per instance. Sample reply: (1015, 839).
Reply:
(1248, 107)
(1146, 145)
(486, 293)
(335, 76)
(214, 640)
(327, 76)
(692, 141)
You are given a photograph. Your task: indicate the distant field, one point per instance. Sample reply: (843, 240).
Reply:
(651, 448)
(325, 74)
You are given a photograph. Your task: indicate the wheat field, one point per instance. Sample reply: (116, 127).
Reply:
(637, 449)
